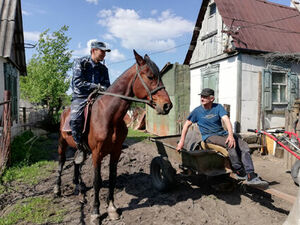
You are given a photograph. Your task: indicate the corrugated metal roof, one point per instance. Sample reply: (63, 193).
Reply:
(11, 33)
(258, 25)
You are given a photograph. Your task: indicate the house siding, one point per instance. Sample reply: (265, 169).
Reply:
(227, 85)
(211, 46)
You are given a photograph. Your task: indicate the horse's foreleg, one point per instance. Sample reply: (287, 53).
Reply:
(77, 180)
(61, 161)
(95, 217)
(112, 210)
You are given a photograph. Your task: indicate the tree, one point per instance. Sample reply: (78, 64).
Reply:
(47, 81)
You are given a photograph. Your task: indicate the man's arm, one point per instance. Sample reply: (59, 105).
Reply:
(230, 139)
(78, 81)
(185, 129)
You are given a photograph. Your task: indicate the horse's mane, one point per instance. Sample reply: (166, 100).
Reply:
(154, 68)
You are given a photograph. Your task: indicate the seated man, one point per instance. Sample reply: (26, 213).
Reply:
(209, 117)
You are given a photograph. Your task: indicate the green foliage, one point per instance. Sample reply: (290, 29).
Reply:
(28, 160)
(20, 153)
(36, 210)
(47, 81)
(134, 105)
(23, 153)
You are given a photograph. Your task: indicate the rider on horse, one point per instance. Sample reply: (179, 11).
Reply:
(88, 74)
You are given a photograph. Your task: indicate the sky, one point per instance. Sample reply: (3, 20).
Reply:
(161, 29)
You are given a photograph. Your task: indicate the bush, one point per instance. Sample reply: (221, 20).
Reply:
(21, 153)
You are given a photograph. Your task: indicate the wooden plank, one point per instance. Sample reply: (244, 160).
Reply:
(272, 191)
(280, 194)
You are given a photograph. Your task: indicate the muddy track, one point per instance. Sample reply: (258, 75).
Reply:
(138, 203)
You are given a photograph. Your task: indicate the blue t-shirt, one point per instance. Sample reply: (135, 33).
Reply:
(209, 120)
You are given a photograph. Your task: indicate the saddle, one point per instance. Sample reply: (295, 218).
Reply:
(87, 110)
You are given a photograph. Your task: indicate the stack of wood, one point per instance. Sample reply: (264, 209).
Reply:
(136, 118)
(292, 123)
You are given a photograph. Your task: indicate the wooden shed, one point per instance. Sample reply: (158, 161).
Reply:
(176, 79)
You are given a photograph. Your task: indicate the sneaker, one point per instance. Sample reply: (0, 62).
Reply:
(239, 177)
(257, 182)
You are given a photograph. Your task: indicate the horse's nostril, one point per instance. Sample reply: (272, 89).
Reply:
(167, 107)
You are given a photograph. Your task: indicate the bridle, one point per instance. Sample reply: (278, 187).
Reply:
(149, 92)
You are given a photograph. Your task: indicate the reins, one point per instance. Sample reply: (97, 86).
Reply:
(150, 93)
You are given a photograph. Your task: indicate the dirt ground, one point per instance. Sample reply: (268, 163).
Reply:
(187, 203)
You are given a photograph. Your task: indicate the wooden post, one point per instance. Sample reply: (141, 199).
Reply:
(259, 96)
(24, 115)
(5, 138)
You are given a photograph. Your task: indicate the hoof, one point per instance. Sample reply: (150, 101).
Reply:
(113, 215)
(56, 190)
(112, 212)
(95, 219)
(82, 199)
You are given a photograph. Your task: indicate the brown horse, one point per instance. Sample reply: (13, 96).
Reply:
(107, 129)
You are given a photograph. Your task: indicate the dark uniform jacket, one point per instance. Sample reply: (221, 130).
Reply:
(86, 75)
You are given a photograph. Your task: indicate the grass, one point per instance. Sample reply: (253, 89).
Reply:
(29, 162)
(30, 175)
(37, 210)
(138, 135)
(30, 165)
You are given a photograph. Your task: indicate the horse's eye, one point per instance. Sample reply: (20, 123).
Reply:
(150, 77)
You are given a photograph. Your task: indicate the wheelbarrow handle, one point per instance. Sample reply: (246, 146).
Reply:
(253, 130)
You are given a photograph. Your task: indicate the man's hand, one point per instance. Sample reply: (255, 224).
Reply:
(230, 141)
(179, 146)
(101, 88)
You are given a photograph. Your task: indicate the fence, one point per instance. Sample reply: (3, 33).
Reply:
(29, 116)
(5, 132)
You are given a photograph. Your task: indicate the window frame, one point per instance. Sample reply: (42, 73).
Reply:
(292, 87)
(211, 72)
(279, 85)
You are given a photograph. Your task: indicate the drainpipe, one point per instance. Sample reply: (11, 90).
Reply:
(237, 123)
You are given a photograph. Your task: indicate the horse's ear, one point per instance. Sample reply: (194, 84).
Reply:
(139, 59)
(146, 57)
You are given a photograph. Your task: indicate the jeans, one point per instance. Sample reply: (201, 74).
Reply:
(77, 118)
(239, 156)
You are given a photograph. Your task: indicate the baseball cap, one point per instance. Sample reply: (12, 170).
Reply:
(207, 92)
(99, 45)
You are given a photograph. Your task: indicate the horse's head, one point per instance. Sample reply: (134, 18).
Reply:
(148, 85)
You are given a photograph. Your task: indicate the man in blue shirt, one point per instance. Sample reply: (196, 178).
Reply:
(88, 74)
(209, 117)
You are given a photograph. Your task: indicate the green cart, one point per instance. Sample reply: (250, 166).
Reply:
(210, 160)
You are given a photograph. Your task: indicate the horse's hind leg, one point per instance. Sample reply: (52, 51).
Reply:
(62, 146)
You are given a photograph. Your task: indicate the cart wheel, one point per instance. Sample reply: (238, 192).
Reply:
(295, 172)
(162, 174)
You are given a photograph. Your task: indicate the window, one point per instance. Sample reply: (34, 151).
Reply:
(280, 87)
(210, 78)
(212, 9)
(11, 79)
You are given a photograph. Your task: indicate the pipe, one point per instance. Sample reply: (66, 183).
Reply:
(237, 123)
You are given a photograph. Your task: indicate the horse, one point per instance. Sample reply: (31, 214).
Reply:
(107, 129)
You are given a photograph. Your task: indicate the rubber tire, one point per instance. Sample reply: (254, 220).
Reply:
(295, 171)
(162, 174)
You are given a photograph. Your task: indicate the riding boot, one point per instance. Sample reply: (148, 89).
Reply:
(80, 154)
